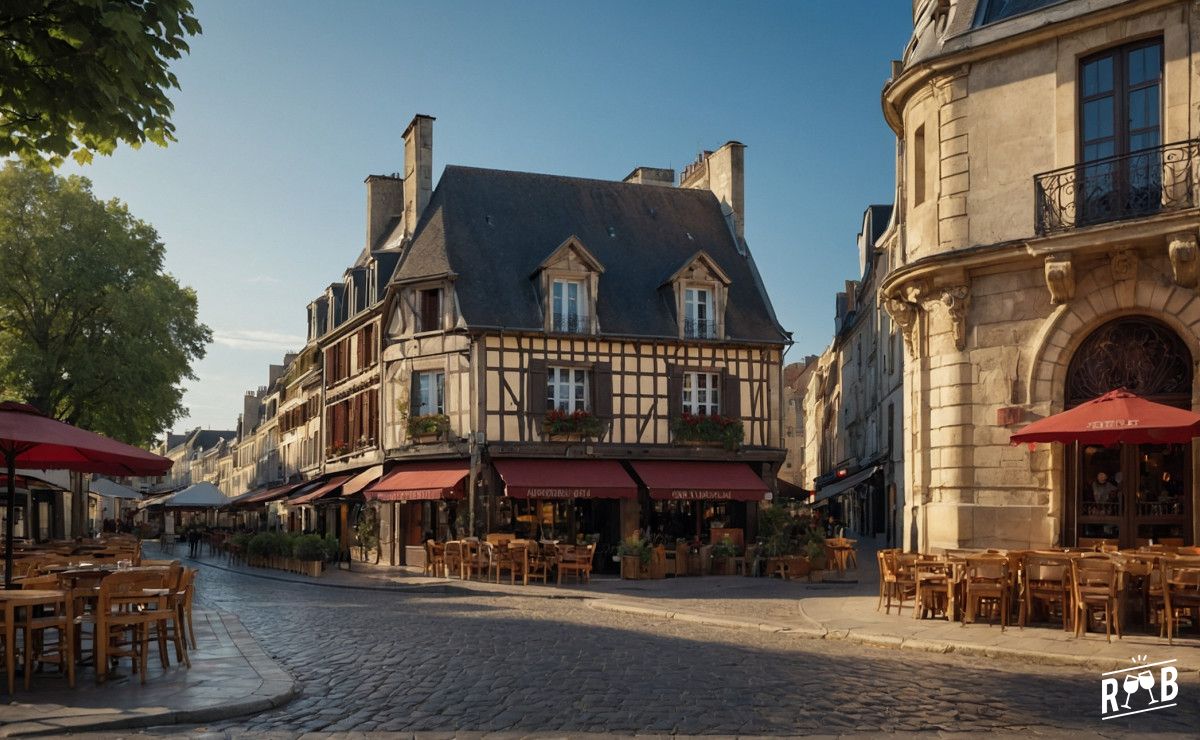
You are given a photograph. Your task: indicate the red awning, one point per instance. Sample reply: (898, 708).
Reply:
(329, 486)
(362, 480)
(25, 482)
(703, 481)
(424, 481)
(545, 479)
(270, 494)
(1116, 417)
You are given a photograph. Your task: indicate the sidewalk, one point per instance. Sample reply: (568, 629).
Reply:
(844, 610)
(230, 676)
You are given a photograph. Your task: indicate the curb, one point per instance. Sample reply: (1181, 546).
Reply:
(871, 639)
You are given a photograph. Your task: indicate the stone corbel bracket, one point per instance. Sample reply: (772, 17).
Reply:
(1185, 258)
(904, 315)
(1060, 278)
(957, 298)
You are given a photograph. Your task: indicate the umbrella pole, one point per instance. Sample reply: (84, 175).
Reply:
(10, 458)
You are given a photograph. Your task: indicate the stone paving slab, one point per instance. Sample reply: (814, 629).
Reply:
(842, 609)
(230, 676)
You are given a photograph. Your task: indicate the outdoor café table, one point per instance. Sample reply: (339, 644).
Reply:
(12, 600)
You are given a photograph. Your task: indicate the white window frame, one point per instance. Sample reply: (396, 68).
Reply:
(560, 304)
(699, 306)
(431, 393)
(568, 389)
(702, 393)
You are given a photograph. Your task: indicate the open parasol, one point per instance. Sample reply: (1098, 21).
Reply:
(31, 440)
(1117, 417)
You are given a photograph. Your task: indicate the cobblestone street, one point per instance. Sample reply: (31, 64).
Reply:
(453, 662)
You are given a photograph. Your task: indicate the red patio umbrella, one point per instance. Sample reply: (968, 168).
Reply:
(29, 439)
(1117, 417)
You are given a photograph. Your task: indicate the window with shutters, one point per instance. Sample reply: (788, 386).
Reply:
(429, 393)
(568, 389)
(701, 396)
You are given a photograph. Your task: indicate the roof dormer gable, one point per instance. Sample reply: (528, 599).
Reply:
(569, 282)
(572, 256)
(700, 267)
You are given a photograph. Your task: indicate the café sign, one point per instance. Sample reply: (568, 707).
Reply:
(694, 494)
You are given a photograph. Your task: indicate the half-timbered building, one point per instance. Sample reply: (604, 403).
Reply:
(567, 357)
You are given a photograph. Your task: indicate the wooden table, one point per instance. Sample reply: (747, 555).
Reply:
(14, 599)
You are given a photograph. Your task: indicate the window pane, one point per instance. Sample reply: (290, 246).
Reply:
(558, 298)
(1098, 119)
(1143, 109)
(1144, 65)
(1098, 76)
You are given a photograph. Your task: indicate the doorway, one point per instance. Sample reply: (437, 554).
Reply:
(1130, 495)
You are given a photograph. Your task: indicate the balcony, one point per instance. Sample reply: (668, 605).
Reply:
(1142, 183)
(699, 329)
(570, 323)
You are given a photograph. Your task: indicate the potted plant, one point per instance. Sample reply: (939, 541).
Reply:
(708, 430)
(815, 550)
(310, 550)
(635, 557)
(571, 426)
(723, 554)
(428, 427)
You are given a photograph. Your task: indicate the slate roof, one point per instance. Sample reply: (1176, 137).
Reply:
(880, 216)
(493, 228)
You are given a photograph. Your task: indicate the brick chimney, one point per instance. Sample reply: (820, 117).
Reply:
(385, 200)
(724, 173)
(418, 170)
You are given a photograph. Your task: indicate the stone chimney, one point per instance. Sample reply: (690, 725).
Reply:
(651, 176)
(418, 170)
(385, 200)
(724, 173)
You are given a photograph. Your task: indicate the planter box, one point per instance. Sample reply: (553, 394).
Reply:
(700, 443)
(425, 439)
(631, 567)
(695, 564)
(311, 568)
(723, 566)
(564, 437)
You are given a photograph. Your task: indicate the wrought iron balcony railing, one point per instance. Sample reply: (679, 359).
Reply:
(1137, 184)
(696, 329)
(570, 323)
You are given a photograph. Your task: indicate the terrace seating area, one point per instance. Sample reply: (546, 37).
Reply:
(77, 604)
(1079, 590)
(501, 555)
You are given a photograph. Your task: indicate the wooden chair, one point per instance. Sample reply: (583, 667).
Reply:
(934, 580)
(435, 559)
(986, 583)
(37, 623)
(125, 605)
(577, 560)
(1045, 580)
(178, 602)
(1095, 584)
(482, 555)
(454, 562)
(898, 579)
(513, 558)
(1181, 591)
(537, 566)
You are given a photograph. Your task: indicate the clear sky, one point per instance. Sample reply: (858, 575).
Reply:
(286, 106)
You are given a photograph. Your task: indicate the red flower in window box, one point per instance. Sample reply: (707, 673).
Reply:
(584, 424)
(709, 428)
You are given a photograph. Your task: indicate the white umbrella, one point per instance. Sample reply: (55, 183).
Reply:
(198, 496)
(110, 489)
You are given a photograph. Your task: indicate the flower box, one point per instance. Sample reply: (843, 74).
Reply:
(428, 427)
(575, 426)
(704, 428)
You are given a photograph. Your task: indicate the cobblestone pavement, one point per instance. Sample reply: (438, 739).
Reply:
(467, 663)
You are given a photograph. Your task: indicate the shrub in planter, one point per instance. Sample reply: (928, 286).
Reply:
(723, 554)
(261, 547)
(635, 557)
(309, 547)
(428, 425)
(333, 548)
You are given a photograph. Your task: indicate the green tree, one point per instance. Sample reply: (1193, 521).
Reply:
(92, 330)
(79, 76)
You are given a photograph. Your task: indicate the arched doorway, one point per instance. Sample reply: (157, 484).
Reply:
(1130, 494)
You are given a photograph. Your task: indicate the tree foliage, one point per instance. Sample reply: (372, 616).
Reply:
(92, 330)
(79, 76)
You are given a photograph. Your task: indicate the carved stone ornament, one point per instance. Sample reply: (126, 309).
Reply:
(956, 299)
(1185, 259)
(904, 315)
(1060, 278)
(1124, 265)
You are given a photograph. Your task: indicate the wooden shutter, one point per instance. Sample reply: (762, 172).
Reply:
(602, 391)
(731, 396)
(373, 417)
(360, 354)
(535, 391)
(329, 355)
(414, 395)
(674, 391)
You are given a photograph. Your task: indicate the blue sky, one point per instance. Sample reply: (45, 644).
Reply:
(286, 106)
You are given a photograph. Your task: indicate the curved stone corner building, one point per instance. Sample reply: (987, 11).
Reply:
(1047, 200)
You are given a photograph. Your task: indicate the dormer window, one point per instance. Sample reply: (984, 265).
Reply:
(569, 279)
(700, 287)
(429, 310)
(569, 306)
(698, 322)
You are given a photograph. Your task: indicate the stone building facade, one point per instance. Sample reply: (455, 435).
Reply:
(796, 377)
(853, 404)
(1046, 253)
